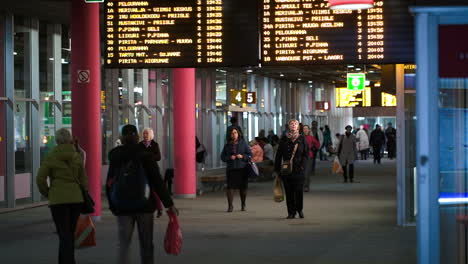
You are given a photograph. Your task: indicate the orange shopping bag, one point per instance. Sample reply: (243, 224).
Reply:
(173, 237)
(337, 169)
(85, 233)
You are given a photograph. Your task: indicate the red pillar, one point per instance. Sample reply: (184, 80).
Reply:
(86, 83)
(184, 133)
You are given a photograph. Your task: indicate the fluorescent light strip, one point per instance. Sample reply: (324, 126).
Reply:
(454, 200)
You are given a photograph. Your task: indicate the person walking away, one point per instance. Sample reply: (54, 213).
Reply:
(362, 143)
(232, 126)
(377, 140)
(294, 151)
(347, 153)
(390, 134)
(327, 140)
(131, 202)
(152, 147)
(236, 153)
(312, 143)
(322, 149)
(64, 168)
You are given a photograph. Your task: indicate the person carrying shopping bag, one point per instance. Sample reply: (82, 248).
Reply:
(290, 163)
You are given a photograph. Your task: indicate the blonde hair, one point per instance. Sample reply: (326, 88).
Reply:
(63, 136)
(293, 120)
(150, 132)
(253, 143)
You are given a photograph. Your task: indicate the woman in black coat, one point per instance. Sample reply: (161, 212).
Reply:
(149, 144)
(294, 182)
(236, 153)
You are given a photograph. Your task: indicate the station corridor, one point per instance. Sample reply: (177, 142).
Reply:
(344, 223)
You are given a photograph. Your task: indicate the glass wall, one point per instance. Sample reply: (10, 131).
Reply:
(2, 115)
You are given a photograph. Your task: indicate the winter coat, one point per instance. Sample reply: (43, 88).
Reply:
(377, 137)
(63, 166)
(153, 148)
(120, 156)
(312, 143)
(347, 149)
(285, 151)
(240, 148)
(257, 153)
(362, 140)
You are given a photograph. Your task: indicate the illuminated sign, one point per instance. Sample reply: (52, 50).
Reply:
(356, 81)
(389, 99)
(180, 33)
(243, 97)
(322, 106)
(353, 98)
(308, 32)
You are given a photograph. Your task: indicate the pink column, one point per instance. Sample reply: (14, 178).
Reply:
(86, 83)
(184, 133)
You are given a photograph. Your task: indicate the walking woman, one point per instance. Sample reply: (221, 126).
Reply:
(347, 153)
(236, 153)
(64, 168)
(312, 143)
(293, 149)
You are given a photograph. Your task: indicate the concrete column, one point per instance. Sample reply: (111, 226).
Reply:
(85, 83)
(184, 134)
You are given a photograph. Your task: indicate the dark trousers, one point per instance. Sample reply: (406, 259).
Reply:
(351, 172)
(377, 150)
(126, 226)
(391, 149)
(364, 154)
(65, 217)
(294, 189)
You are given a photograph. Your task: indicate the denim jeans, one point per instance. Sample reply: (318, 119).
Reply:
(126, 225)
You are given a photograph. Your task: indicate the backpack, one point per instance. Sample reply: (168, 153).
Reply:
(130, 191)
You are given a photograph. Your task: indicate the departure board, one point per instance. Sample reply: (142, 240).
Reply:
(181, 33)
(308, 32)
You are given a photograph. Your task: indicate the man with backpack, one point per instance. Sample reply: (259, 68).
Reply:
(133, 180)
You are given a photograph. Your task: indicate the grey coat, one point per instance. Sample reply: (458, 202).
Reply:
(347, 150)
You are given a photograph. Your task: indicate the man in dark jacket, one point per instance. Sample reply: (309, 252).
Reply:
(390, 134)
(377, 140)
(143, 217)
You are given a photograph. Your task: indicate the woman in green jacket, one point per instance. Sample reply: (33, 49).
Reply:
(64, 168)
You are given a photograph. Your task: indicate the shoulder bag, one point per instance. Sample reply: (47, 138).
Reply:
(88, 203)
(287, 166)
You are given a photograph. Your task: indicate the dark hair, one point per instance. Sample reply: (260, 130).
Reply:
(129, 135)
(349, 127)
(229, 139)
(234, 120)
(337, 134)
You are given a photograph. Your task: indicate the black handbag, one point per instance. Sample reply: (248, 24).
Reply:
(87, 207)
(287, 166)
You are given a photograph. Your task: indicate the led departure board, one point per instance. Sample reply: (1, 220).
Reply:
(181, 33)
(353, 98)
(308, 32)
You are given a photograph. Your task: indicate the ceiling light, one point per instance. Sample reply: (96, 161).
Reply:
(249, 71)
(351, 4)
(281, 75)
(371, 71)
(350, 66)
(358, 69)
(310, 81)
(299, 79)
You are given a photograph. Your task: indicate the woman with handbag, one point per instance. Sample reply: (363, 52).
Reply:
(290, 163)
(237, 154)
(64, 168)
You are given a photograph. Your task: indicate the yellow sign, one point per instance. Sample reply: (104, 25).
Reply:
(389, 99)
(353, 98)
(243, 97)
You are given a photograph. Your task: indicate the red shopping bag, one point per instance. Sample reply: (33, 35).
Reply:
(173, 237)
(85, 233)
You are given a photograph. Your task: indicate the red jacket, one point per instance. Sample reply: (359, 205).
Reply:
(313, 143)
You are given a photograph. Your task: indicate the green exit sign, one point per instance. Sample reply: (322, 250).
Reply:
(356, 81)
(94, 1)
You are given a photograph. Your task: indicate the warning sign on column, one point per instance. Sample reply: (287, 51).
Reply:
(83, 76)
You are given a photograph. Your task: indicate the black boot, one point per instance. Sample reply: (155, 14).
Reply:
(229, 198)
(243, 196)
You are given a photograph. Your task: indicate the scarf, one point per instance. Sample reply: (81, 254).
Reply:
(147, 143)
(292, 135)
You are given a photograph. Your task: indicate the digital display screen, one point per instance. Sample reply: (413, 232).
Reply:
(181, 33)
(353, 98)
(296, 32)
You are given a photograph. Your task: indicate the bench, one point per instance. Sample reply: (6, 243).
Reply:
(213, 179)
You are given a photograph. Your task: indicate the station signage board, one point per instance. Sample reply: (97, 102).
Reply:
(322, 106)
(356, 81)
(302, 32)
(181, 33)
(353, 98)
(243, 97)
